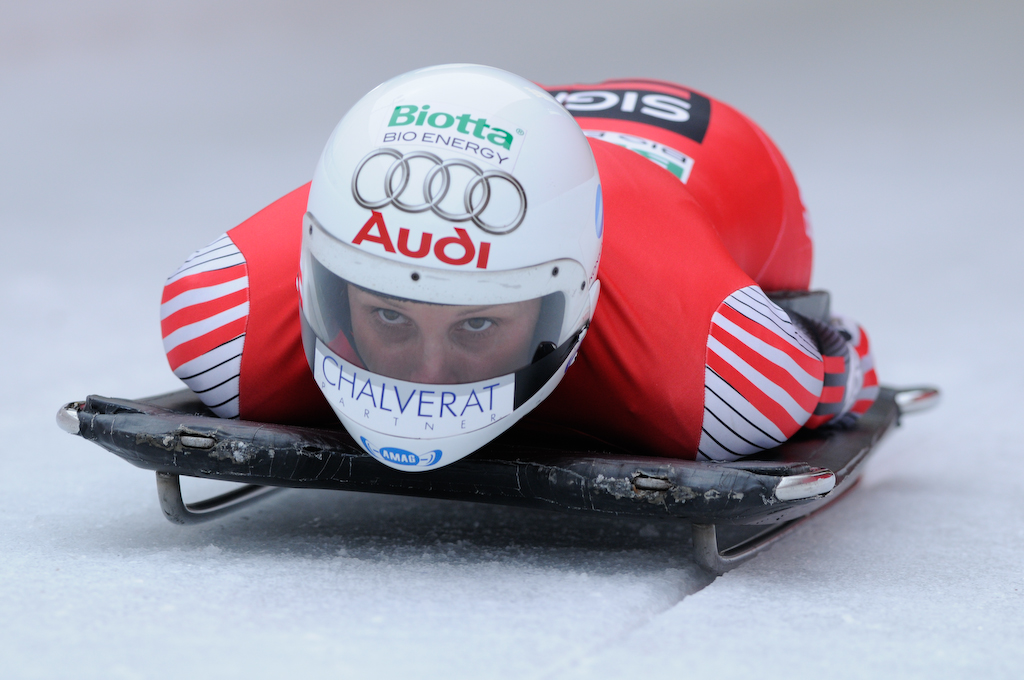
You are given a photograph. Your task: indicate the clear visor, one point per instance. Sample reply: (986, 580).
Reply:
(430, 343)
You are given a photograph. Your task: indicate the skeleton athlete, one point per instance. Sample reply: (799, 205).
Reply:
(435, 281)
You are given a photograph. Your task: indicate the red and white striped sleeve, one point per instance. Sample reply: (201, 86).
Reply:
(203, 316)
(858, 340)
(766, 376)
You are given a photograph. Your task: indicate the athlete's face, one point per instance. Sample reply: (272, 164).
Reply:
(441, 344)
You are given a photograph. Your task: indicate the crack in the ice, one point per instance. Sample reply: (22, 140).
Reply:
(691, 572)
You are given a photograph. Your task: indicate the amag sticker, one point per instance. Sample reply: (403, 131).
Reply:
(398, 456)
(407, 409)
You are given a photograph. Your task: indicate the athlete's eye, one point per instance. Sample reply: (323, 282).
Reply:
(390, 316)
(477, 324)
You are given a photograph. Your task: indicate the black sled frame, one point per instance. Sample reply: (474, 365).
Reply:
(736, 509)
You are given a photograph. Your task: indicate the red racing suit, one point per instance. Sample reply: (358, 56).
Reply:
(685, 356)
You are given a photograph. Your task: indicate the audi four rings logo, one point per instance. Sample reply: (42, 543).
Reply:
(432, 198)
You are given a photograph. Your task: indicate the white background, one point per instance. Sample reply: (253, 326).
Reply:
(133, 133)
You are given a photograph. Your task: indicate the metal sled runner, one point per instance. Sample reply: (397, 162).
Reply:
(737, 509)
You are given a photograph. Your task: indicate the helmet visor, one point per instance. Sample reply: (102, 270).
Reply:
(426, 342)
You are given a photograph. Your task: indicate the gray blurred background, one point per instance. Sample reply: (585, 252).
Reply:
(152, 127)
(132, 133)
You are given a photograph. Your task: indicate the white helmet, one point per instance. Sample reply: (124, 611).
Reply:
(449, 260)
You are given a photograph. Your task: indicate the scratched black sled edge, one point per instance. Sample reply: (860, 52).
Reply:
(526, 467)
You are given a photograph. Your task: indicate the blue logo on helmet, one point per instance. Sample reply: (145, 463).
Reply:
(599, 213)
(397, 456)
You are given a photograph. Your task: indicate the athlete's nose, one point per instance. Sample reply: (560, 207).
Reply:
(433, 367)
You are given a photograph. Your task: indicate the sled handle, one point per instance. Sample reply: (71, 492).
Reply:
(177, 511)
(917, 399)
(67, 417)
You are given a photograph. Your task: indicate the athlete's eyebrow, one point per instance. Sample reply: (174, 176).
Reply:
(474, 311)
(394, 299)
(382, 297)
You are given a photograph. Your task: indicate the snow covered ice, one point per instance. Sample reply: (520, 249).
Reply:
(131, 135)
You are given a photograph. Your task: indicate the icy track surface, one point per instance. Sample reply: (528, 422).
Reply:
(130, 136)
